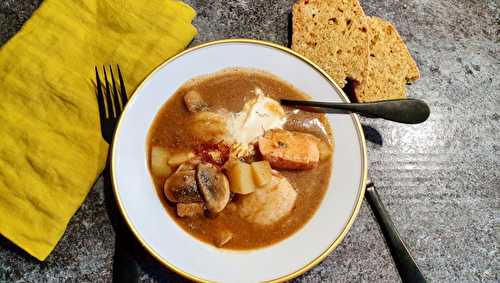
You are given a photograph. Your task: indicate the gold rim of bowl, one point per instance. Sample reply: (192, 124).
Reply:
(355, 118)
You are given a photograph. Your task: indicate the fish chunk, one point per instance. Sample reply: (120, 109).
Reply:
(268, 204)
(209, 127)
(289, 150)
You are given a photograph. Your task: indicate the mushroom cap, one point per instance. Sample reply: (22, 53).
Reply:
(214, 187)
(181, 187)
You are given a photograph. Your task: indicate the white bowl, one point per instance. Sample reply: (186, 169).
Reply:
(176, 249)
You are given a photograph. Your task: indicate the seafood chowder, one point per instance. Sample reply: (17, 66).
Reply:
(232, 166)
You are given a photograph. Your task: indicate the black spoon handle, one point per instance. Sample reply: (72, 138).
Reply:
(408, 110)
(405, 264)
(125, 266)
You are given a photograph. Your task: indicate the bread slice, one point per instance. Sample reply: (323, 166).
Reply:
(390, 65)
(334, 35)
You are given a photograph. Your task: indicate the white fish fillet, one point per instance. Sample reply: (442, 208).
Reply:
(268, 204)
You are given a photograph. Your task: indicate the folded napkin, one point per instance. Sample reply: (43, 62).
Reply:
(51, 149)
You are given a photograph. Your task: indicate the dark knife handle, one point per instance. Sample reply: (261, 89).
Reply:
(405, 264)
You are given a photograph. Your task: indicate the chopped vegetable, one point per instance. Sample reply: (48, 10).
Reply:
(190, 209)
(188, 165)
(261, 172)
(222, 237)
(240, 177)
(181, 157)
(325, 150)
(159, 165)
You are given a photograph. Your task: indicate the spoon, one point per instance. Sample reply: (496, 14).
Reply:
(408, 110)
(405, 264)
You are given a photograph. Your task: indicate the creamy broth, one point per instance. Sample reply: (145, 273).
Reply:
(229, 90)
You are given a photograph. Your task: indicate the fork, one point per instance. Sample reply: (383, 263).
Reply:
(111, 103)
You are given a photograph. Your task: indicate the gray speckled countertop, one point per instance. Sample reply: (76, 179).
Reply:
(440, 180)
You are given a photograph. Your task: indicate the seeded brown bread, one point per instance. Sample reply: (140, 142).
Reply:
(390, 65)
(334, 35)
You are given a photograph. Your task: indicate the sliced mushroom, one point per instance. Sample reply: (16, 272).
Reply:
(194, 102)
(181, 187)
(214, 187)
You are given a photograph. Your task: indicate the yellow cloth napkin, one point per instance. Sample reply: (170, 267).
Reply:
(51, 149)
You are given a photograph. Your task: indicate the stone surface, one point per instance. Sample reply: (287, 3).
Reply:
(440, 181)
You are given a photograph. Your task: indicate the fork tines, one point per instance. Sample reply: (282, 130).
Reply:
(111, 101)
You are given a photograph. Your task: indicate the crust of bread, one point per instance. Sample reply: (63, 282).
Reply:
(390, 65)
(334, 35)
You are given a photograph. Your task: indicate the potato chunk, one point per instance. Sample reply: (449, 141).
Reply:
(159, 165)
(261, 171)
(179, 158)
(240, 177)
(325, 150)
